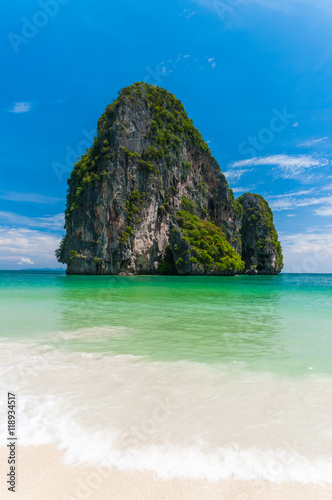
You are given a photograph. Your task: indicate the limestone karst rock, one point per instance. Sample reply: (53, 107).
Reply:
(149, 198)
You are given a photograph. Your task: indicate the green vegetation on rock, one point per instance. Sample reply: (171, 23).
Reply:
(59, 252)
(188, 206)
(235, 203)
(76, 255)
(129, 154)
(208, 244)
(170, 126)
(170, 121)
(133, 208)
(142, 163)
(128, 232)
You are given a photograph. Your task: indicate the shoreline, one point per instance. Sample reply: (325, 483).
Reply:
(41, 473)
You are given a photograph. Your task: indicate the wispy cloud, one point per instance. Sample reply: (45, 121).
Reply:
(293, 193)
(29, 197)
(285, 6)
(20, 107)
(287, 202)
(53, 222)
(211, 60)
(308, 242)
(188, 16)
(287, 167)
(189, 13)
(324, 211)
(312, 142)
(234, 175)
(241, 189)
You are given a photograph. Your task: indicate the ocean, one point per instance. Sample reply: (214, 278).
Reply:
(191, 377)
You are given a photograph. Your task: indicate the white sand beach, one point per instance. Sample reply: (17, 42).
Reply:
(41, 475)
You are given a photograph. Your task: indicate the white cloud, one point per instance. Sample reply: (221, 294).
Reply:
(53, 222)
(284, 6)
(328, 187)
(309, 252)
(25, 260)
(312, 142)
(286, 202)
(234, 175)
(212, 62)
(20, 246)
(293, 193)
(308, 242)
(28, 197)
(296, 124)
(287, 167)
(325, 210)
(241, 189)
(20, 107)
(189, 14)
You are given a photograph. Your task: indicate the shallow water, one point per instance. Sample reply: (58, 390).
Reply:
(187, 376)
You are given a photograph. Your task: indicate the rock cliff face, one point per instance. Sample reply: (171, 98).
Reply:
(261, 250)
(149, 198)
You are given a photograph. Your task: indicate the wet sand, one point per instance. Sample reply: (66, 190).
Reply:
(43, 475)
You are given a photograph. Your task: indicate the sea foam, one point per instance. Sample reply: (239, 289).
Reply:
(177, 419)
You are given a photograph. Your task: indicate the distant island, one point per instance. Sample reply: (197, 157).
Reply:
(149, 198)
(54, 269)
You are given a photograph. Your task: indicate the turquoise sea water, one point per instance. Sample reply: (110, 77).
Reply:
(240, 367)
(282, 323)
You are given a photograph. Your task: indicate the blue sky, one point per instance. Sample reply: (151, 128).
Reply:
(255, 76)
